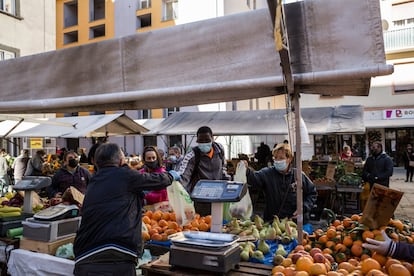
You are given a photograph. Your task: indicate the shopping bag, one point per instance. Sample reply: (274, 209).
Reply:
(181, 203)
(411, 164)
(242, 209)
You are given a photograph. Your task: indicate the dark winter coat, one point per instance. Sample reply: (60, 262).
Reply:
(407, 157)
(111, 212)
(378, 169)
(279, 191)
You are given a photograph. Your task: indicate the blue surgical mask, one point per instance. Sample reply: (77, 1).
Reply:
(205, 147)
(172, 158)
(280, 165)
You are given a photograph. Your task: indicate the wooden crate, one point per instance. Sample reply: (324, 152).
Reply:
(44, 247)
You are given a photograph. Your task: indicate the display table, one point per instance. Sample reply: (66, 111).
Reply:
(244, 269)
(23, 262)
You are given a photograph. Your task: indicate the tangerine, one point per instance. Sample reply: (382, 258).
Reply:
(390, 262)
(380, 258)
(369, 264)
(145, 236)
(278, 268)
(367, 234)
(146, 219)
(173, 216)
(304, 264)
(318, 269)
(347, 266)
(347, 241)
(331, 233)
(148, 214)
(355, 217)
(356, 250)
(157, 215)
(398, 270)
(165, 216)
(375, 272)
(156, 237)
(172, 225)
(162, 223)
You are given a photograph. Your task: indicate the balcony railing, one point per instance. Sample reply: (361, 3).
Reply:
(399, 39)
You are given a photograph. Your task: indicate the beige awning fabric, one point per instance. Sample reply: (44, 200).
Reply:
(336, 47)
(83, 126)
(321, 120)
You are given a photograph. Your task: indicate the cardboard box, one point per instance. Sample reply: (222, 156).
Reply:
(44, 247)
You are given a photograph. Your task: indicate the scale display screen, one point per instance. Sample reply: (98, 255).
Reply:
(218, 191)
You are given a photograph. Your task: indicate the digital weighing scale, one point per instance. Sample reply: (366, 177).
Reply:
(211, 251)
(57, 212)
(217, 192)
(29, 184)
(217, 252)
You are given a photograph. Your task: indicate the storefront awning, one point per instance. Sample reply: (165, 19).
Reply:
(82, 126)
(321, 120)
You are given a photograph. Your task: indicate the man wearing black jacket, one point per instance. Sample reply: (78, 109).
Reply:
(108, 241)
(378, 167)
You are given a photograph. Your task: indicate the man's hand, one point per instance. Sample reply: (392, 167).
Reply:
(175, 175)
(386, 247)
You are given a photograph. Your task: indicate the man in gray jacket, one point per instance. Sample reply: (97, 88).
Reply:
(205, 161)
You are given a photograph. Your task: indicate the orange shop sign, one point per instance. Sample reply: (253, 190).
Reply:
(36, 143)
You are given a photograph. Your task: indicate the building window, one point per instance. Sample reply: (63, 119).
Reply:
(4, 54)
(97, 10)
(70, 13)
(146, 114)
(70, 37)
(97, 31)
(169, 10)
(8, 6)
(144, 4)
(144, 21)
(172, 110)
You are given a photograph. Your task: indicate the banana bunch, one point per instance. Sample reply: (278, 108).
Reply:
(284, 230)
(9, 211)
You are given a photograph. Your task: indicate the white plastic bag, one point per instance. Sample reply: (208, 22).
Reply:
(181, 203)
(242, 209)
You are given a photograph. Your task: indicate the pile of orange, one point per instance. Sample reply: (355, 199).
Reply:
(159, 225)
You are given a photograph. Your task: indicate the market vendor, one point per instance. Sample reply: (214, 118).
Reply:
(278, 183)
(108, 241)
(70, 174)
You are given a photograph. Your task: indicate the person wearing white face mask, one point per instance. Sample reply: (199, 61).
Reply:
(205, 161)
(278, 184)
(174, 158)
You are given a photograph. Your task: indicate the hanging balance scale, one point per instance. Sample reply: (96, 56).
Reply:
(211, 251)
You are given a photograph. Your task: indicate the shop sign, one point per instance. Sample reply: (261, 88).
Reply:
(398, 113)
(36, 143)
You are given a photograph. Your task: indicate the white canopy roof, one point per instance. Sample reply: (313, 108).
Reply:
(82, 126)
(321, 120)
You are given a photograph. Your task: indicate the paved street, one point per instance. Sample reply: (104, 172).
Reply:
(405, 209)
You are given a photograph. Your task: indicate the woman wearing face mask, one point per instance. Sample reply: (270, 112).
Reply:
(70, 174)
(278, 184)
(153, 164)
(407, 157)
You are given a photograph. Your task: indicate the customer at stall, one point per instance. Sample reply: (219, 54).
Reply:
(278, 183)
(407, 157)
(69, 175)
(4, 167)
(20, 164)
(205, 161)
(153, 164)
(108, 241)
(378, 167)
(174, 158)
(35, 164)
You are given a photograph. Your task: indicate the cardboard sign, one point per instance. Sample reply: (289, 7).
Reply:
(380, 207)
(330, 171)
(349, 166)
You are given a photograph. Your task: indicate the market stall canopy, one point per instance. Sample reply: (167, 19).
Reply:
(85, 126)
(321, 120)
(335, 47)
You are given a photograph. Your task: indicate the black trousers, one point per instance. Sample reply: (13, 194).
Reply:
(105, 269)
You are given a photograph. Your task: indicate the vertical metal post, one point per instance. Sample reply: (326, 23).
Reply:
(298, 142)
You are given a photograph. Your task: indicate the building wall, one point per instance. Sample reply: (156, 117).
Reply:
(32, 31)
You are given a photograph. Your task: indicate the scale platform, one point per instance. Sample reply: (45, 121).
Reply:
(29, 184)
(57, 212)
(216, 252)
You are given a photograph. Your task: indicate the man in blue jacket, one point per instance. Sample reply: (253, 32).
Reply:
(108, 241)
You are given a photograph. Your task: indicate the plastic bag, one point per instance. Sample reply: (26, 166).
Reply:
(242, 209)
(181, 203)
(65, 251)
